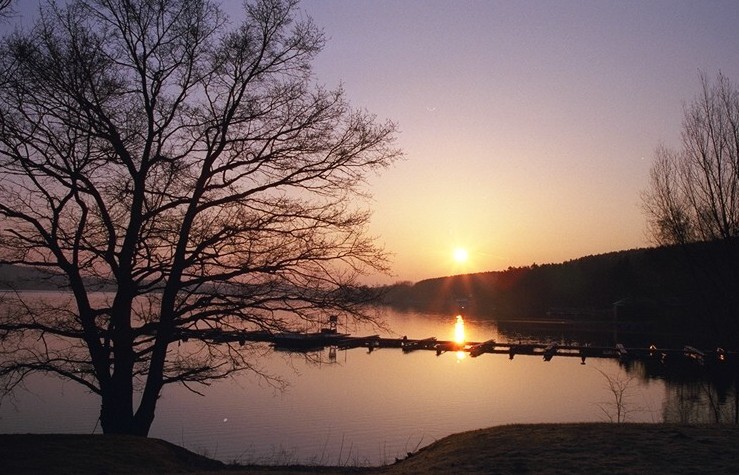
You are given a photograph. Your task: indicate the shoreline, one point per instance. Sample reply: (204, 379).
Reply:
(519, 448)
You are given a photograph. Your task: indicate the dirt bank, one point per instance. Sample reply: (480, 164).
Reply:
(537, 448)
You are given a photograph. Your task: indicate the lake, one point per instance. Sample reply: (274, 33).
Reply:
(367, 408)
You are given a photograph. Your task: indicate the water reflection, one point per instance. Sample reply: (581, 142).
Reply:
(459, 330)
(459, 338)
(370, 407)
(694, 392)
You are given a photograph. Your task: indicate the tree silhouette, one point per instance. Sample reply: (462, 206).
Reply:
(191, 170)
(6, 8)
(693, 195)
(694, 191)
(617, 409)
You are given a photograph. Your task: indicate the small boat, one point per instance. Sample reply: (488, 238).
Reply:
(412, 345)
(480, 348)
(623, 353)
(550, 351)
(694, 354)
(520, 349)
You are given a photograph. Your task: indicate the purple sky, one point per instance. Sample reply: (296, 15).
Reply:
(528, 126)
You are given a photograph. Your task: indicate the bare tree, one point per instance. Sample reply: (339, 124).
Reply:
(189, 167)
(619, 408)
(6, 8)
(693, 195)
(694, 191)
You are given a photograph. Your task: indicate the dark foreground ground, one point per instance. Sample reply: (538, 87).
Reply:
(539, 448)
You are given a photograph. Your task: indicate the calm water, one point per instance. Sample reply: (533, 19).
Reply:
(361, 408)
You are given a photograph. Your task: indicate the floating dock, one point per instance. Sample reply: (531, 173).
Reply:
(303, 342)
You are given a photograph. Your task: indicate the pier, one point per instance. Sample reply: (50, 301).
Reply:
(329, 338)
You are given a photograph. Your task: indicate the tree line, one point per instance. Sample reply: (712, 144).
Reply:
(660, 285)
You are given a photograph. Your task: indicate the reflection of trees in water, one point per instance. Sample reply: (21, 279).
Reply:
(694, 393)
(568, 332)
(698, 402)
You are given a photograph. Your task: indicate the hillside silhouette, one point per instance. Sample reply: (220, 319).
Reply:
(678, 289)
(25, 278)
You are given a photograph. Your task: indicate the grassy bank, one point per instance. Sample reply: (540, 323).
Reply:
(537, 448)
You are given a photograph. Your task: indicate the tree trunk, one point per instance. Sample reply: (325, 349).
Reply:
(116, 412)
(117, 415)
(154, 381)
(145, 415)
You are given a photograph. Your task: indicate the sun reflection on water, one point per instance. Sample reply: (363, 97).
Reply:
(459, 337)
(459, 330)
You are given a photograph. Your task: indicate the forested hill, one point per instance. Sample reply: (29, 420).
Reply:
(28, 278)
(654, 282)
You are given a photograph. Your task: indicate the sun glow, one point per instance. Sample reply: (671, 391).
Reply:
(460, 255)
(459, 330)
(459, 337)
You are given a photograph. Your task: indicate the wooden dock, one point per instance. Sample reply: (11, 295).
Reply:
(547, 351)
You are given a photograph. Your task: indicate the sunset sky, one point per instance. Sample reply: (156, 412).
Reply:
(528, 126)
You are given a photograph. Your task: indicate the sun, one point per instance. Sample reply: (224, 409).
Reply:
(460, 255)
